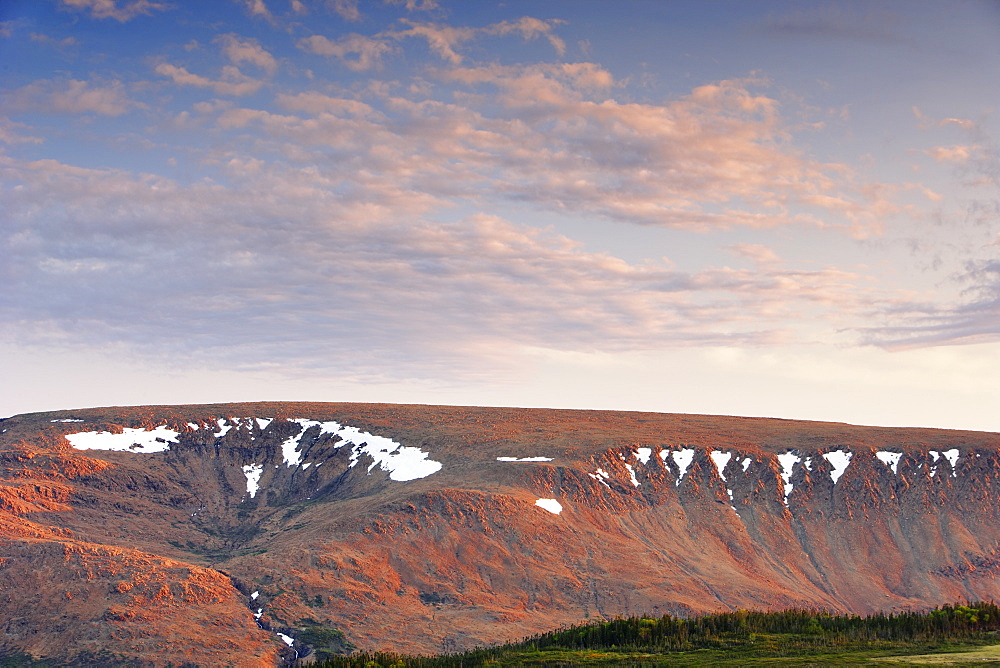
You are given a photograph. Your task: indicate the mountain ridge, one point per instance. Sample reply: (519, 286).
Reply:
(297, 501)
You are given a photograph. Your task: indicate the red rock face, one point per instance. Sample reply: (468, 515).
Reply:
(429, 542)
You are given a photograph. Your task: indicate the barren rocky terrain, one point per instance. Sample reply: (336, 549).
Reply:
(216, 534)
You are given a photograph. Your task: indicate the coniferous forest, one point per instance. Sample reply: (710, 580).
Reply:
(741, 637)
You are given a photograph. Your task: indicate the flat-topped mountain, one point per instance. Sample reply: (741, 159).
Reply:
(247, 533)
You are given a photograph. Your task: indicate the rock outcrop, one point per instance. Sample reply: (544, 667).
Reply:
(126, 532)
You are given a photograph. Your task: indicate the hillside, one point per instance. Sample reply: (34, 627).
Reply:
(128, 531)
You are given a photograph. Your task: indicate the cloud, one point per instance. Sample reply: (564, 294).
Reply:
(257, 8)
(756, 252)
(12, 133)
(835, 22)
(316, 103)
(530, 28)
(367, 52)
(232, 82)
(247, 51)
(346, 9)
(58, 43)
(445, 40)
(416, 5)
(73, 97)
(110, 9)
(288, 266)
(953, 154)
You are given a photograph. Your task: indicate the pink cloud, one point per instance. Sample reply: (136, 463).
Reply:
(232, 82)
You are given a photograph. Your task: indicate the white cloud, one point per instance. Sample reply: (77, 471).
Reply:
(416, 5)
(257, 8)
(73, 97)
(240, 51)
(346, 9)
(307, 269)
(367, 52)
(232, 82)
(110, 9)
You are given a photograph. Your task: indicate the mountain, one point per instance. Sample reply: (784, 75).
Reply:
(218, 534)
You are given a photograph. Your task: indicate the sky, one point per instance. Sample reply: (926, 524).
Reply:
(777, 209)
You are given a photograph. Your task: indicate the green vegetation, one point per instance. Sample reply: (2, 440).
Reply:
(744, 637)
(326, 643)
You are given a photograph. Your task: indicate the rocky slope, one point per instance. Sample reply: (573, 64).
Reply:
(217, 534)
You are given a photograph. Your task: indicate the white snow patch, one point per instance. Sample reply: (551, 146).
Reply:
(643, 454)
(223, 427)
(839, 459)
(631, 474)
(257, 615)
(808, 463)
(683, 459)
(130, 440)
(193, 426)
(600, 476)
(746, 464)
(952, 457)
(788, 461)
(288, 640)
(290, 450)
(935, 456)
(253, 472)
(890, 459)
(67, 420)
(263, 422)
(524, 459)
(253, 596)
(401, 461)
(721, 459)
(550, 505)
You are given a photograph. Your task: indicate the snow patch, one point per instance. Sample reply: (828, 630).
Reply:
(288, 640)
(524, 459)
(130, 440)
(401, 461)
(890, 459)
(224, 428)
(253, 472)
(721, 459)
(550, 505)
(643, 454)
(253, 596)
(839, 459)
(683, 459)
(746, 464)
(67, 420)
(788, 461)
(263, 422)
(952, 457)
(631, 475)
(601, 476)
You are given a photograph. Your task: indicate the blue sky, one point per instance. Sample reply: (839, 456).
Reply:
(783, 209)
